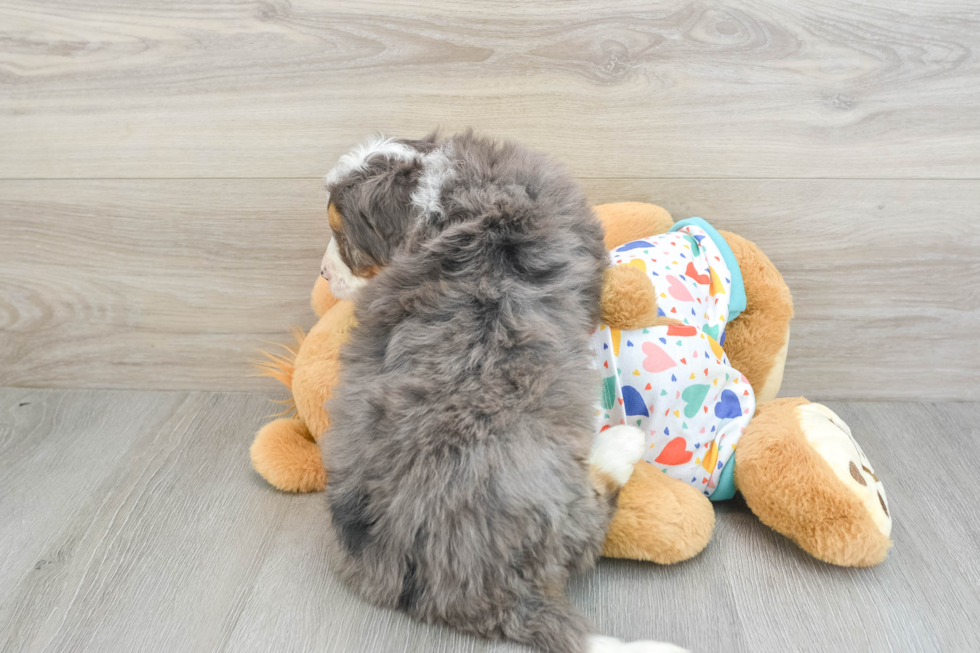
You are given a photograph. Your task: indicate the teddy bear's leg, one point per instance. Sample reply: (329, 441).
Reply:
(317, 366)
(757, 340)
(802, 474)
(285, 454)
(659, 519)
(628, 221)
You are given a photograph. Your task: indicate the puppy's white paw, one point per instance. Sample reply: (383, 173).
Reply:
(616, 451)
(603, 644)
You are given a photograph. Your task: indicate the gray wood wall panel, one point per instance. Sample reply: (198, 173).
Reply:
(842, 136)
(132, 521)
(679, 88)
(176, 283)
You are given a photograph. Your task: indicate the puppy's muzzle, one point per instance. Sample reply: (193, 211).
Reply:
(324, 270)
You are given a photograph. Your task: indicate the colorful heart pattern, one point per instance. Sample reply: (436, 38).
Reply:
(693, 396)
(636, 244)
(728, 406)
(656, 360)
(678, 290)
(703, 279)
(638, 263)
(633, 402)
(674, 453)
(675, 381)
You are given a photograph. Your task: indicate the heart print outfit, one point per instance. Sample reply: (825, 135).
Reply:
(675, 382)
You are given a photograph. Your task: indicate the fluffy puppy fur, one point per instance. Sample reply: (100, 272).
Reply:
(460, 490)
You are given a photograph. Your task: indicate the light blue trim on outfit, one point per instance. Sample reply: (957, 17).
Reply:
(736, 304)
(726, 482)
(737, 301)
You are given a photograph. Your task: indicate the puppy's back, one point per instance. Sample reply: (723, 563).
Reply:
(457, 486)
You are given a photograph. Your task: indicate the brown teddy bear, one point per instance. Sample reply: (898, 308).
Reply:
(797, 465)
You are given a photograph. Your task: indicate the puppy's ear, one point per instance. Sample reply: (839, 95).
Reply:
(379, 208)
(425, 144)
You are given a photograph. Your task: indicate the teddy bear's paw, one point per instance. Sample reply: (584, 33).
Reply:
(616, 450)
(603, 644)
(831, 438)
(286, 456)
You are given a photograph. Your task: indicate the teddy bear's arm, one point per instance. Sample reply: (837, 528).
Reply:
(629, 300)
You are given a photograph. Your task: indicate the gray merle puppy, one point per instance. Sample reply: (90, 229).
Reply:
(464, 483)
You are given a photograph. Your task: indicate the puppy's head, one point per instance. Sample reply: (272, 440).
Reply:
(371, 208)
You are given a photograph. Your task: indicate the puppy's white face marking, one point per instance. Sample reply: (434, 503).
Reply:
(357, 158)
(344, 284)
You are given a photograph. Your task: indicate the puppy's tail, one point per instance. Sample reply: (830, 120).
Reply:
(549, 624)
(553, 626)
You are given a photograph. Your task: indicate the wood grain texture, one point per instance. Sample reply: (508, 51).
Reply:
(153, 284)
(174, 284)
(132, 521)
(680, 88)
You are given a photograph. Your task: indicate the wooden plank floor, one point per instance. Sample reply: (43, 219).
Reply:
(132, 521)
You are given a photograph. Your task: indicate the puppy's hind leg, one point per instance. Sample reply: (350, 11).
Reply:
(548, 623)
(615, 452)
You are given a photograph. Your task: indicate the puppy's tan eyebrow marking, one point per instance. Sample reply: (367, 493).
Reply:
(367, 272)
(334, 218)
